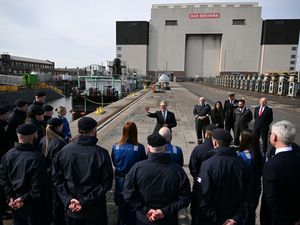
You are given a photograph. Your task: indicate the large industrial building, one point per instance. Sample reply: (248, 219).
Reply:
(207, 39)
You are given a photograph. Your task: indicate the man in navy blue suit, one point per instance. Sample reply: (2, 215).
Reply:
(164, 117)
(281, 183)
(263, 116)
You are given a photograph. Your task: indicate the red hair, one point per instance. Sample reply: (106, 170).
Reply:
(129, 134)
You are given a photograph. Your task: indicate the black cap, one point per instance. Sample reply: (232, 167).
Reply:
(20, 103)
(3, 110)
(26, 129)
(40, 94)
(156, 140)
(55, 122)
(87, 123)
(48, 108)
(221, 134)
(36, 110)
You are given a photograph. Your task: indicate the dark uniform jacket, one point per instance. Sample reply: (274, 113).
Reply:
(199, 154)
(170, 120)
(229, 109)
(41, 104)
(83, 171)
(263, 122)
(23, 175)
(16, 119)
(200, 110)
(223, 181)
(54, 146)
(6, 141)
(157, 183)
(242, 119)
(281, 185)
(39, 126)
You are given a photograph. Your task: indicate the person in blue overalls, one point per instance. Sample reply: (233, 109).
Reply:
(175, 151)
(250, 153)
(66, 132)
(125, 154)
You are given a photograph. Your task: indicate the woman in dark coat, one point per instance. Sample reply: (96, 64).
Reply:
(53, 142)
(218, 115)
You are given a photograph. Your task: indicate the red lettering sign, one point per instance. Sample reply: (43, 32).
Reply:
(204, 15)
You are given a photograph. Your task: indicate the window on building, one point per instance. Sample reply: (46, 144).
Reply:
(292, 68)
(294, 48)
(119, 48)
(119, 55)
(171, 22)
(292, 62)
(293, 56)
(239, 22)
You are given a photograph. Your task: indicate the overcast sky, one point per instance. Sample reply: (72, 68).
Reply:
(81, 32)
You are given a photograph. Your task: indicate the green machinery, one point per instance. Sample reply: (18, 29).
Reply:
(29, 79)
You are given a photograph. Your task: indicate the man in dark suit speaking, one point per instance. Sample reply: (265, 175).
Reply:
(163, 117)
(263, 116)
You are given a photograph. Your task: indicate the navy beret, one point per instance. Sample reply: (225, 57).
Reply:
(26, 129)
(20, 103)
(48, 108)
(36, 110)
(55, 122)
(3, 110)
(221, 134)
(87, 123)
(40, 94)
(156, 140)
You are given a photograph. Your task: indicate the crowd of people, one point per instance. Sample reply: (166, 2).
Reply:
(47, 178)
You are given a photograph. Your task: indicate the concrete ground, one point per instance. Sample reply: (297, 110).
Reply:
(180, 101)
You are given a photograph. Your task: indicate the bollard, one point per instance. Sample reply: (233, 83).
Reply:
(283, 84)
(258, 83)
(293, 86)
(265, 84)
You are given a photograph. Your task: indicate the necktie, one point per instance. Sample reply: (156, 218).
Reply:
(260, 111)
(164, 115)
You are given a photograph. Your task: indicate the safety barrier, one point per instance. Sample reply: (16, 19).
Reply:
(283, 85)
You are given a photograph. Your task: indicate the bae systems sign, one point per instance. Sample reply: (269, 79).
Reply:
(204, 15)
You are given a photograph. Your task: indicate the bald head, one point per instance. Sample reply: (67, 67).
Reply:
(263, 101)
(166, 133)
(202, 100)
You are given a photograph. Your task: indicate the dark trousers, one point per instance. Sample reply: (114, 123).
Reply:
(34, 213)
(264, 135)
(229, 125)
(88, 221)
(200, 126)
(126, 215)
(3, 204)
(237, 133)
(58, 211)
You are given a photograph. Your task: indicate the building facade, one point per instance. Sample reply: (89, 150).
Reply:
(132, 45)
(208, 39)
(16, 65)
(279, 45)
